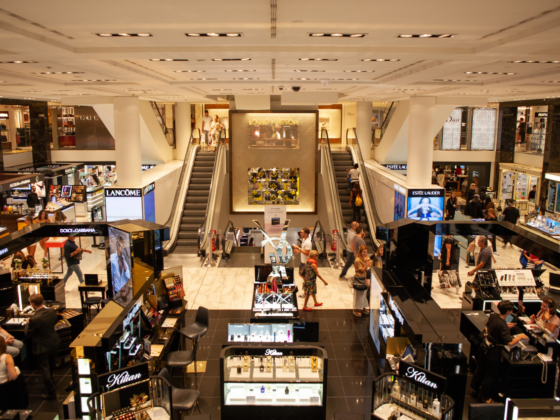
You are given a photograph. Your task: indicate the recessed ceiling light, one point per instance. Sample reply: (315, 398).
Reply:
(346, 79)
(337, 34)
(381, 59)
(122, 34)
(359, 71)
(204, 78)
(489, 72)
(92, 80)
(425, 36)
(214, 34)
(59, 72)
(168, 59)
(318, 59)
(18, 62)
(303, 78)
(252, 89)
(245, 78)
(231, 59)
(190, 71)
(309, 71)
(29, 98)
(452, 80)
(552, 81)
(534, 62)
(238, 71)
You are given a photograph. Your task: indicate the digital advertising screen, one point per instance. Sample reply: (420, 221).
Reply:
(66, 191)
(399, 206)
(425, 204)
(437, 246)
(40, 189)
(120, 261)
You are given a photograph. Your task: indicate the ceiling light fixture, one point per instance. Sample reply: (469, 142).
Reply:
(318, 59)
(534, 62)
(214, 34)
(190, 71)
(489, 72)
(303, 78)
(337, 34)
(238, 71)
(204, 78)
(18, 62)
(59, 72)
(346, 79)
(98, 80)
(245, 78)
(359, 71)
(381, 59)
(168, 59)
(231, 59)
(452, 80)
(552, 81)
(309, 71)
(123, 35)
(426, 36)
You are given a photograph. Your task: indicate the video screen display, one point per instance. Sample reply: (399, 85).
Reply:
(150, 207)
(399, 206)
(40, 189)
(425, 205)
(66, 191)
(120, 261)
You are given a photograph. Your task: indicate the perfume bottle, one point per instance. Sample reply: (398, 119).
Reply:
(246, 362)
(314, 364)
(436, 408)
(288, 335)
(261, 368)
(231, 338)
(291, 361)
(245, 337)
(396, 391)
(262, 389)
(239, 337)
(284, 364)
(413, 400)
(425, 405)
(267, 336)
(268, 363)
(239, 369)
(287, 391)
(274, 336)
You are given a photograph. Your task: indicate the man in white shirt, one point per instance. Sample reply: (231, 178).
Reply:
(305, 249)
(206, 126)
(355, 174)
(350, 255)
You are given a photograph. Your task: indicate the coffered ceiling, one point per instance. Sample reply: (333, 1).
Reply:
(52, 50)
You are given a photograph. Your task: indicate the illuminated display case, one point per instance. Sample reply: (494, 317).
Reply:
(277, 382)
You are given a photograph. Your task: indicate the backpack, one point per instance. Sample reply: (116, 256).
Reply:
(359, 201)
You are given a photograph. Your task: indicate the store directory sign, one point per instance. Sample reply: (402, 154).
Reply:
(425, 204)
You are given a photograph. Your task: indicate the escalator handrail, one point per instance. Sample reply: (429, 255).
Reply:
(319, 227)
(337, 204)
(386, 120)
(170, 245)
(229, 227)
(202, 237)
(364, 181)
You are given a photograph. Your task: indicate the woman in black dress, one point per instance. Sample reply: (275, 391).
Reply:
(451, 206)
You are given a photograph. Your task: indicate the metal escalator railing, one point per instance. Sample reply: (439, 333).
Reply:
(319, 239)
(339, 223)
(229, 239)
(369, 203)
(206, 225)
(174, 220)
(387, 119)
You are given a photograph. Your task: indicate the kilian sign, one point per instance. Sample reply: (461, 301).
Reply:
(422, 377)
(122, 377)
(272, 352)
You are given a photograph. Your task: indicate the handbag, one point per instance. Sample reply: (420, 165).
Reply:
(302, 269)
(359, 286)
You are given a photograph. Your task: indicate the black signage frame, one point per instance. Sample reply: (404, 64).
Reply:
(149, 188)
(422, 377)
(138, 372)
(19, 180)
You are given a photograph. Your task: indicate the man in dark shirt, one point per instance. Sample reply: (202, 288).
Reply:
(522, 129)
(474, 208)
(71, 253)
(33, 199)
(511, 214)
(40, 328)
(484, 261)
(533, 194)
(485, 378)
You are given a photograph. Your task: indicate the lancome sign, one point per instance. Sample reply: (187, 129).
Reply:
(123, 192)
(422, 377)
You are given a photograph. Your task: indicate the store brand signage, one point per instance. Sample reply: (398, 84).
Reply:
(3, 251)
(3, 115)
(78, 230)
(538, 114)
(149, 188)
(123, 192)
(273, 352)
(422, 377)
(399, 189)
(146, 167)
(88, 118)
(124, 376)
(70, 170)
(17, 184)
(426, 193)
(397, 167)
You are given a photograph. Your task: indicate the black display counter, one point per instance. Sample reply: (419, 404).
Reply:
(529, 378)
(287, 381)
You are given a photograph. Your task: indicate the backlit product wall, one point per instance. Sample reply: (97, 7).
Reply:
(123, 203)
(425, 204)
(273, 186)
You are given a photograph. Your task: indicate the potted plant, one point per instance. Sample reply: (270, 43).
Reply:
(45, 263)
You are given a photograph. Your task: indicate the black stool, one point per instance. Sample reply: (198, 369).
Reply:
(92, 301)
(181, 399)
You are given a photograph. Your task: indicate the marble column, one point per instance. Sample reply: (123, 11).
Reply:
(420, 141)
(128, 147)
(505, 145)
(183, 131)
(40, 140)
(363, 127)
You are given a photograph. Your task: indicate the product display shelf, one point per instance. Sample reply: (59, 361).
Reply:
(274, 307)
(394, 395)
(281, 382)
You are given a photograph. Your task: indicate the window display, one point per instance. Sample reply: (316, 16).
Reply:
(273, 186)
(268, 131)
(452, 131)
(483, 129)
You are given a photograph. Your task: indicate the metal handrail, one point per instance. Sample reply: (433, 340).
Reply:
(364, 181)
(337, 204)
(170, 245)
(323, 237)
(202, 237)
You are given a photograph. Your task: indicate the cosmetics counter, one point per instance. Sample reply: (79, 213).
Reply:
(406, 326)
(529, 368)
(493, 286)
(14, 189)
(545, 225)
(413, 393)
(260, 382)
(274, 297)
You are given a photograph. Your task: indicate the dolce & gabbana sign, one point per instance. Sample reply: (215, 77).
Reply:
(123, 192)
(422, 377)
(122, 377)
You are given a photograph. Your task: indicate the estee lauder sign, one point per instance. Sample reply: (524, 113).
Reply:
(122, 377)
(422, 377)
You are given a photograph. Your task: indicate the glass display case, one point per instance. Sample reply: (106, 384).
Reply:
(261, 333)
(546, 225)
(275, 383)
(274, 306)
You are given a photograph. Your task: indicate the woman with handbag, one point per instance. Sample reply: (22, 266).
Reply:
(361, 283)
(310, 274)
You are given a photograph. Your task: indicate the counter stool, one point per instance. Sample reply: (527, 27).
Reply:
(199, 328)
(182, 359)
(181, 399)
(92, 301)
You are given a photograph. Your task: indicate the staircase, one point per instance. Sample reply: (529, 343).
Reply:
(342, 160)
(194, 210)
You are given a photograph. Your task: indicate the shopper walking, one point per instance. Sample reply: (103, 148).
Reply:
(304, 250)
(310, 274)
(356, 201)
(522, 130)
(451, 206)
(355, 174)
(511, 214)
(485, 256)
(206, 127)
(73, 255)
(448, 256)
(216, 128)
(496, 336)
(474, 208)
(361, 282)
(40, 328)
(13, 346)
(350, 256)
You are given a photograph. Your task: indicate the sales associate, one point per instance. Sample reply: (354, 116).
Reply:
(497, 335)
(33, 199)
(547, 318)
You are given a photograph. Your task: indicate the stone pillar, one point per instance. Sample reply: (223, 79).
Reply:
(40, 140)
(183, 128)
(363, 127)
(505, 144)
(128, 147)
(421, 141)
